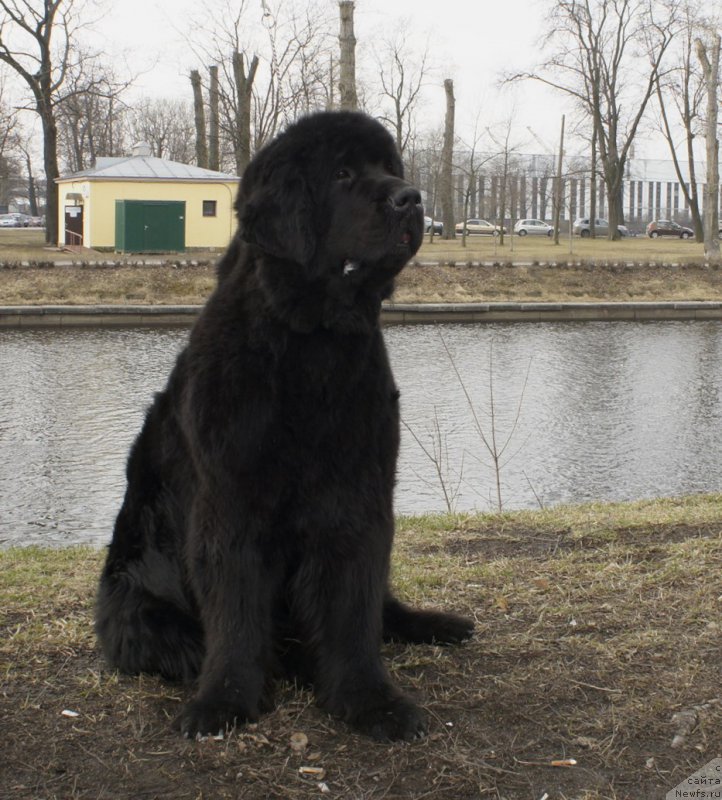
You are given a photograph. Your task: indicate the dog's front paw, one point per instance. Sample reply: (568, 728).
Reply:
(397, 719)
(419, 625)
(450, 628)
(212, 717)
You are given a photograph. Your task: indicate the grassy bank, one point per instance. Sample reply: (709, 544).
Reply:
(528, 269)
(595, 626)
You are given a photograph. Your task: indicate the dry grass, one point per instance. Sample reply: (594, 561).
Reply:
(527, 269)
(530, 249)
(86, 285)
(171, 285)
(27, 244)
(595, 625)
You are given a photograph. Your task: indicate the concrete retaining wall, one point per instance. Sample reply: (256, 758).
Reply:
(398, 313)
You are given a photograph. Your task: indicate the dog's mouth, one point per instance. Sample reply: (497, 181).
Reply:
(409, 239)
(395, 252)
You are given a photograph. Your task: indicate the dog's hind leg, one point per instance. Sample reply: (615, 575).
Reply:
(142, 632)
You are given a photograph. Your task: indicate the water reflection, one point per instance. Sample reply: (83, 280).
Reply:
(608, 411)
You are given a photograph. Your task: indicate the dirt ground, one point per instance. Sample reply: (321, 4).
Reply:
(593, 631)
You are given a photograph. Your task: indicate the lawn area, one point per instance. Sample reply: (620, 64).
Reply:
(598, 647)
(28, 244)
(530, 249)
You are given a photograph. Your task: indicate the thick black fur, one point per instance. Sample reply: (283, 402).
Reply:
(255, 533)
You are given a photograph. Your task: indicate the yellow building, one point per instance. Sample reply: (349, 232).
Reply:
(146, 204)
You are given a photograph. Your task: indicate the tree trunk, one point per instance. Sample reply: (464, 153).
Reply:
(710, 69)
(558, 188)
(593, 188)
(200, 120)
(501, 211)
(688, 188)
(348, 99)
(32, 193)
(613, 177)
(244, 93)
(447, 156)
(214, 158)
(43, 98)
(52, 173)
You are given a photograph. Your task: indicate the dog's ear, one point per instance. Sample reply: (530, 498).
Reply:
(275, 214)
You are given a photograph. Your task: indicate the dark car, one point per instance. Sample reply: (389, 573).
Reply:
(438, 226)
(668, 227)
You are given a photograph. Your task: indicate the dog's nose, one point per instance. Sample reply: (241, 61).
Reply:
(405, 197)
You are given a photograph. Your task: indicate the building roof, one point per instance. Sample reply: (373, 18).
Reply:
(147, 168)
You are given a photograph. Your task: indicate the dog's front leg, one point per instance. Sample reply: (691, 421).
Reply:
(340, 603)
(234, 591)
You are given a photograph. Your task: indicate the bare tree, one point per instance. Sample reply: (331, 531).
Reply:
(168, 127)
(90, 115)
(607, 56)
(214, 150)
(425, 170)
(447, 161)
(37, 42)
(506, 167)
(348, 98)
(267, 81)
(709, 55)
(10, 146)
(199, 115)
(470, 168)
(33, 200)
(402, 74)
(244, 74)
(681, 90)
(559, 188)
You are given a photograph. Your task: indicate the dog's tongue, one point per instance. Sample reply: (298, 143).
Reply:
(406, 238)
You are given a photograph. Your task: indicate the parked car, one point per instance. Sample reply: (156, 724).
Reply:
(16, 220)
(480, 226)
(582, 227)
(37, 222)
(668, 227)
(438, 226)
(533, 227)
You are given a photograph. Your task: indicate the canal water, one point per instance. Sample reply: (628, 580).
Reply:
(568, 412)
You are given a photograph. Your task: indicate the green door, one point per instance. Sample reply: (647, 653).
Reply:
(150, 226)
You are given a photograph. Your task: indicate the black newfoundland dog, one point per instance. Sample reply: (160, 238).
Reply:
(254, 538)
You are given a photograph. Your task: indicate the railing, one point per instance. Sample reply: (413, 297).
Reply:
(73, 239)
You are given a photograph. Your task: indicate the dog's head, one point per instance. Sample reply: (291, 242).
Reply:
(329, 194)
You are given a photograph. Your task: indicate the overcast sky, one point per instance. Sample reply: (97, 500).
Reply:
(472, 41)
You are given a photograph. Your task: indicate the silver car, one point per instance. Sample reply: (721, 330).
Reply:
(601, 228)
(479, 226)
(533, 227)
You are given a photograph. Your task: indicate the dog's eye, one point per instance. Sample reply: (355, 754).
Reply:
(342, 175)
